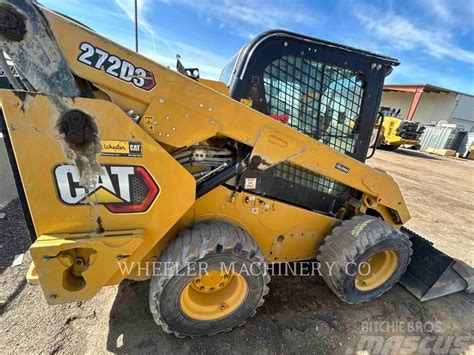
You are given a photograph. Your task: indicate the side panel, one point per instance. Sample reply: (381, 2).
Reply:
(59, 206)
(283, 232)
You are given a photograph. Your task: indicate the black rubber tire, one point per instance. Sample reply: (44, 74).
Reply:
(212, 242)
(355, 241)
(388, 147)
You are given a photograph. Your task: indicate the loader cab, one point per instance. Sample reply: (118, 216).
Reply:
(325, 90)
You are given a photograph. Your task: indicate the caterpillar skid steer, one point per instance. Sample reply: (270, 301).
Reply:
(127, 169)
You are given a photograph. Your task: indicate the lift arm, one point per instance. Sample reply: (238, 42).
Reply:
(178, 111)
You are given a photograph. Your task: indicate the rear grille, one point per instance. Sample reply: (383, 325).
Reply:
(306, 178)
(139, 189)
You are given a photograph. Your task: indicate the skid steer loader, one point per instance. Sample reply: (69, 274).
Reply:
(127, 169)
(395, 131)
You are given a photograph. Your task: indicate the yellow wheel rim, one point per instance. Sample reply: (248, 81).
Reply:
(213, 295)
(376, 270)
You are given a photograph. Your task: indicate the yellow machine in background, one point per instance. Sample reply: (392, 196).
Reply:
(396, 132)
(127, 169)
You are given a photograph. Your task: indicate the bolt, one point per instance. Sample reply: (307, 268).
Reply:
(212, 289)
(202, 288)
(167, 117)
(226, 277)
(162, 100)
(221, 285)
(210, 109)
(198, 281)
(173, 128)
(222, 307)
(46, 258)
(53, 296)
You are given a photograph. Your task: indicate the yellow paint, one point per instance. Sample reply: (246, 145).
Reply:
(148, 124)
(31, 123)
(101, 195)
(265, 220)
(276, 147)
(216, 85)
(389, 132)
(247, 102)
(213, 295)
(376, 270)
(54, 256)
(177, 112)
(114, 147)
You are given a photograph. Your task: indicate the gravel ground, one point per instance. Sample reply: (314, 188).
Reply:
(300, 314)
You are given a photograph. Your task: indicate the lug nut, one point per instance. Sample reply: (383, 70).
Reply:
(212, 289)
(221, 285)
(202, 288)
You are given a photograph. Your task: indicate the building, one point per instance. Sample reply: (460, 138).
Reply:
(429, 104)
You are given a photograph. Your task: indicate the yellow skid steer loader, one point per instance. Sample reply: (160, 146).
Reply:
(127, 169)
(395, 132)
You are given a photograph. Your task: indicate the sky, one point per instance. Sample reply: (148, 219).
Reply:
(433, 39)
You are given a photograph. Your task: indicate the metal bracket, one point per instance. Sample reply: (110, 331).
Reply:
(54, 257)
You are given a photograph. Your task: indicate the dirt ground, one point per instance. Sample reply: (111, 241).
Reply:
(300, 314)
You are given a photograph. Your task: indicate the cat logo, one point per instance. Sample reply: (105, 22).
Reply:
(121, 189)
